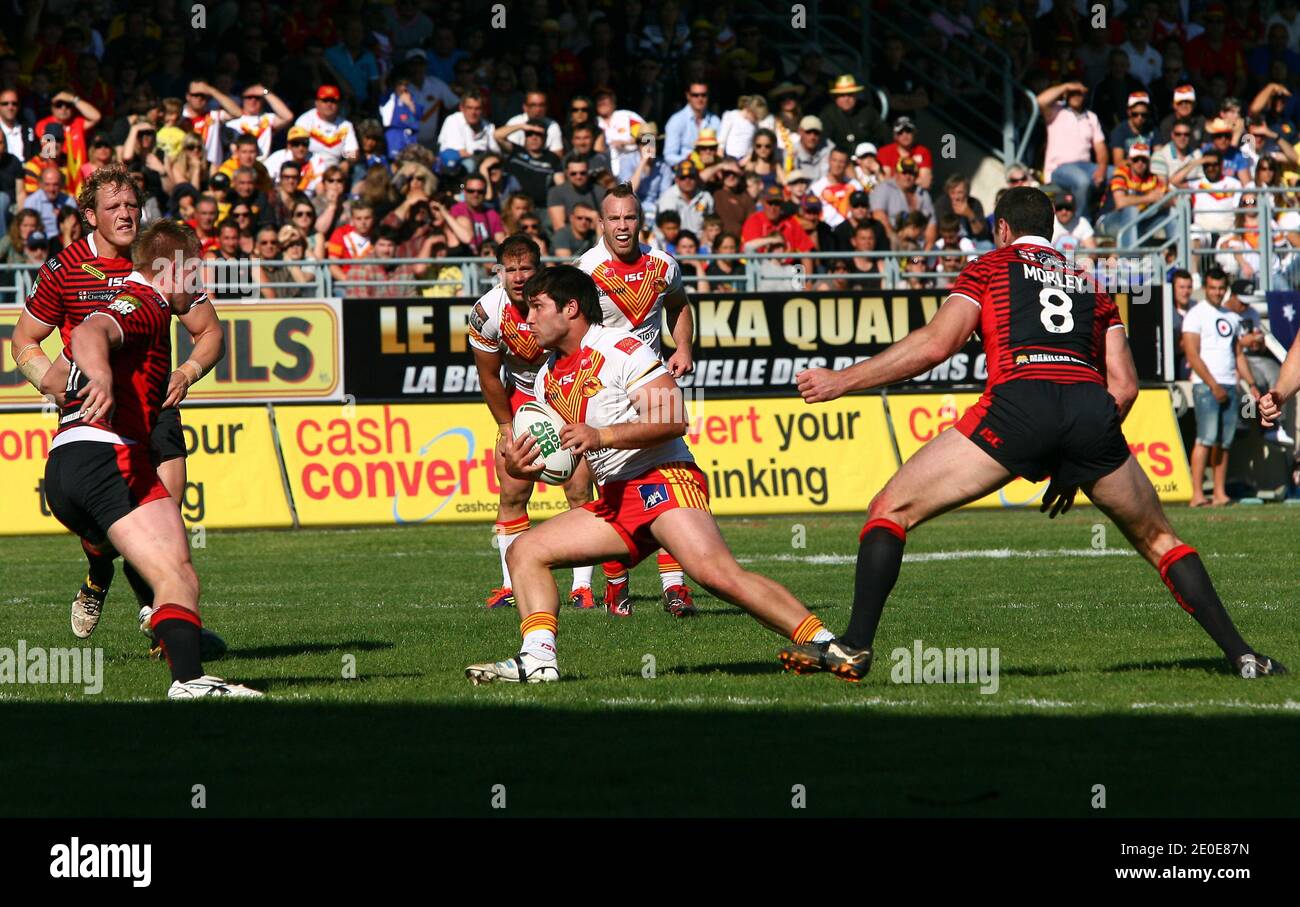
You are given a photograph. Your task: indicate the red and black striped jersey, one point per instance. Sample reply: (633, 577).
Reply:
(141, 366)
(1040, 317)
(76, 282)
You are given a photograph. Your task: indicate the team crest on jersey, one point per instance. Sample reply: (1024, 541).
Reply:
(628, 345)
(125, 304)
(93, 271)
(478, 317)
(1022, 359)
(653, 495)
(568, 394)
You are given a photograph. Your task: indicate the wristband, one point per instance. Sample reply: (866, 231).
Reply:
(198, 370)
(32, 363)
(606, 437)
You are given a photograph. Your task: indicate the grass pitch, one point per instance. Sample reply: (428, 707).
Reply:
(1103, 680)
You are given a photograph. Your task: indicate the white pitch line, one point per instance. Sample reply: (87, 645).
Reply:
(959, 555)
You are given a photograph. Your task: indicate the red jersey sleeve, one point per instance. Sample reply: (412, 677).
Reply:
(45, 299)
(973, 281)
(1108, 312)
(138, 317)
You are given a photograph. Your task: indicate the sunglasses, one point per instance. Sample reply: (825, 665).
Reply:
(578, 172)
(252, 97)
(300, 142)
(1181, 135)
(304, 214)
(583, 109)
(241, 213)
(495, 169)
(289, 175)
(334, 179)
(8, 103)
(699, 94)
(269, 242)
(474, 191)
(531, 227)
(328, 100)
(60, 104)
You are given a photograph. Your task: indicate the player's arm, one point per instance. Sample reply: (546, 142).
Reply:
(918, 352)
(1243, 367)
(1121, 372)
(681, 325)
(283, 115)
(494, 389)
(91, 342)
(26, 349)
(209, 349)
(661, 416)
(1288, 382)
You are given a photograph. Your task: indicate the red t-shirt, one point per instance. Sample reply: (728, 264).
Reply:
(1040, 318)
(891, 154)
(74, 147)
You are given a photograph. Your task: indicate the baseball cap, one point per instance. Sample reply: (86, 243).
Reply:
(908, 165)
(416, 53)
(812, 204)
(1184, 93)
(1065, 200)
(798, 174)
(859, 200)
(448, 158)
(327, 92)
(1138, 97)
(773, 193)
(903, 123)
(1139, 149)
(296, 133)
(36, 240)
(811, 123)
(864, 148)
(686, 168)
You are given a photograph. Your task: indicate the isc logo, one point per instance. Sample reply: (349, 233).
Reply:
(633, 278)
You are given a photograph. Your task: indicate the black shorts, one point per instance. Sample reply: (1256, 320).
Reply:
(167, 441)
(90, 485)
(1037, 429)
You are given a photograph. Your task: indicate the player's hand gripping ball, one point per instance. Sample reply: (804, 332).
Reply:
(543, 424)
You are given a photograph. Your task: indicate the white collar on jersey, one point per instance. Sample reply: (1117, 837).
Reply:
(137, 277)
(90, 240)
(1031, 241)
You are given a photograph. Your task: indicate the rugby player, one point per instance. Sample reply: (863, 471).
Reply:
(1288, 382)
(1061, 380)
(100, 478)
(625, 414)
(637, 285)
(69, 287)
(503, 344)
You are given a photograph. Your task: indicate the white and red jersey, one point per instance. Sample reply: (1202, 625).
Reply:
(621, 128)
(310, 177)
(207, 126)
(834, 198)
(632, 295)
(330, 142)
(346, 242)
(1214, 201)
(259, 127)
(595, 385)
(496, 326)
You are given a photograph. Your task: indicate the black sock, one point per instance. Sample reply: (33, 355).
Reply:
(139, 585)
(880, 554)
(1185, 575)
(177, 630)
(99, 566)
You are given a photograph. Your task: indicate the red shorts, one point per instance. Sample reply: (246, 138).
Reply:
(518, 398)
(90, 485)
(632, 505)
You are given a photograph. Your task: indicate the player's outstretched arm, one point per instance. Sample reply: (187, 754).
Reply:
(91, 342)
(918, 352)
(209, 349)
(1121, 372)
(681, 325)
(1288, 382)
(494, 391)
(26, 348)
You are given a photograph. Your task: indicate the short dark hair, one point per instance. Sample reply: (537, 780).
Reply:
(245, 139)
(519, 244)
(390, 233)
(668, 217)
(1180, 273)
(949, 222)
(583, 127)
(563, 283)
(1027, 211)
(1216, 273)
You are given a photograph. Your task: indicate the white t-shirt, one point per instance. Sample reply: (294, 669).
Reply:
(632, 295)
(457, 135)
(554, 141)
(595, 386)
(259, 127)
(1218, 329)
(330, 142)
(436, 98)
(308, 180)
(1066, 241)
(737, 134)
(1213, 203)
(621, 129)
(495, 326)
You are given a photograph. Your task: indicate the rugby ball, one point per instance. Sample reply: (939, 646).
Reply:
(544, 424)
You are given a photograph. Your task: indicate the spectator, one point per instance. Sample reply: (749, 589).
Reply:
(866, 166)
(431, 93)
(709, 236)
(297, 151)
(25, 223)
(244, 156)
(36, 250)
(1215, 54)
(667, 227)
(1177, 153)
(1071, 230)
(686, 198)
(776, 275)
(739, 126)
(731, 202)
(1136, 130)
(812, 152)
(835, 188)
(729, 269)
(583, 138)
(797, 185)
(652, 176)
(684, 126)
(809, 219)
(332, 138)
(849, 120)
(952, 21)
(1184, 109)
(256, 121)
(1217, 361)
(511, 133)
(474, 216)
(69, 227)
(576, 189)
(355, 64)
(1145, 62)
(243, 188)
(353, 239)
(1276, 105)
(1221, 142)
(622, 130)
(465, 131)
(905, 146)
(205, 222)
(765, 161)
(401, 113)
(1181, 281)
(706, 158)
(579, 234)
(957, 201)
(1135, 192)
(859, 213)
(899, 196)
(763, 224)
(49, 199)
(784, 121)
(900, 82)
(75, 117)
(868, 272)
(271, 247)
(517, 205)
(692, 264)
(383, 279)
(536, 168)
(445, 54)
(1110, 96)
(101, 155)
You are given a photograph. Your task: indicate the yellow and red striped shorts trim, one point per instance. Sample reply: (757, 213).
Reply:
(539, 621)
(809, 627)
(685, 487)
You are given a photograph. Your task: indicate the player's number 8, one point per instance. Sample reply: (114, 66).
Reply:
(1056, 316)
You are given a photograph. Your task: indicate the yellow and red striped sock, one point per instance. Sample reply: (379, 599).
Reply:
(615, 572)
(507, 531)
(807, 630)
(538, 631)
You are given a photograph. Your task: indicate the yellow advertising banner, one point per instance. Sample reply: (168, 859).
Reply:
(1150, 428)
(274, 351)
(233, 474)
(417, 463)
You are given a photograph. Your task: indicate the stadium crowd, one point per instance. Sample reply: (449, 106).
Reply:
(345, 134)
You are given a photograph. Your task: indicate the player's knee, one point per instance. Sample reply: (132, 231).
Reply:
(724, 581)
(883, 507)
(1157, 544)
(524, 552)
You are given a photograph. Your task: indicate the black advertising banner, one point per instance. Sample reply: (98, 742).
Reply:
(746, 344)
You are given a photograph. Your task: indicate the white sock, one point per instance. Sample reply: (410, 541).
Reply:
(672, 578)
(540, 644)
(823, 635)
(581, 578)
(503, 542)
